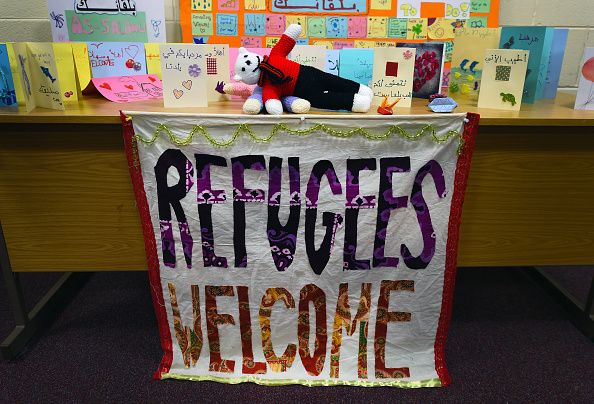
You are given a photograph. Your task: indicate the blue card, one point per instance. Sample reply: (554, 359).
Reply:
(7, 90)
(537, 40)
(253, 24)
(332, 61)
(556, 62)
(227, 24)
(110, 59)
(356, 64)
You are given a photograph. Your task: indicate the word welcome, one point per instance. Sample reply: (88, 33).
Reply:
(190, 338)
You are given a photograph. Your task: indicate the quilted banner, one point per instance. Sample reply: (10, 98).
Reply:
(316, 250)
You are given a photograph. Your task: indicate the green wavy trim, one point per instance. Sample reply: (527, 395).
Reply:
(310, 383)
(243, 128)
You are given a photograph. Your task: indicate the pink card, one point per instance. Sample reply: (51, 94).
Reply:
(233, 56)
(130, 88)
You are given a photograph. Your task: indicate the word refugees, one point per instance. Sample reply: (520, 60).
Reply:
(283, 238)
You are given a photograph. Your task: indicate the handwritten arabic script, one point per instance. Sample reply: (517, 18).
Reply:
(326, 6)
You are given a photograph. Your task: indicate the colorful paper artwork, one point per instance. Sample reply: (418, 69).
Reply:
(429, 62)
(109, 59)
(585, 95)
(393, 70)
(7, 89)
(257, 23)
(467, 61)
(184, 69)
(107, 20)
(537, 40)
(130, 88)
(504, 73)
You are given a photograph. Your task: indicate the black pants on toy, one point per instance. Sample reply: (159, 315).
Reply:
(325, 90)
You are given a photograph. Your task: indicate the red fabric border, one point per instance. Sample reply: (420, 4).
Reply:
(149, 245)
(460, 181)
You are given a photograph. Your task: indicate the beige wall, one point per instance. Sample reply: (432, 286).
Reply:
(27, 20)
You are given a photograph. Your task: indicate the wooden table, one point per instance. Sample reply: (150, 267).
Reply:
(66, 199)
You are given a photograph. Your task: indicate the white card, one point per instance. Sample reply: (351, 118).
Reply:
(585, 94)
(502, 83)
(184, 75)
(409, 9)
(393, 70)
(310, 55)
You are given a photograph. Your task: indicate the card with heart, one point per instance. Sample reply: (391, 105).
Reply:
(185, 70)
(110, 59)
(130, 88)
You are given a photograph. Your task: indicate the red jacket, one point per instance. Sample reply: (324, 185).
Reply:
(279, 74)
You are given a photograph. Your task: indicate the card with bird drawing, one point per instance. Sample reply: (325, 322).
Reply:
(184, 70)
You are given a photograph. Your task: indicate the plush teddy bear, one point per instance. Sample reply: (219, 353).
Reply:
(254, 103)
(279, 77)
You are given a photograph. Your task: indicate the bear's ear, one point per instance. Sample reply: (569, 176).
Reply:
(237, 77)
(242, 50)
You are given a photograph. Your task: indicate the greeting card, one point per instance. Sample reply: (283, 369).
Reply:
(585, 94)
(24, 82)
(356, 64)
(504, 73)
(217, 65)
(153, 58)
(309, 55)
(80, 51)
(428, 72)
(184, 73)
(555, 62)
(467, 61)
(43, 78)
(332, 61)
(393, 70)
(66, 71)
(7, 88)
(130, 88)
(110, 59)
(537, 40)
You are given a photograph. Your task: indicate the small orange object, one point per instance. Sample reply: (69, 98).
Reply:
(385, 108)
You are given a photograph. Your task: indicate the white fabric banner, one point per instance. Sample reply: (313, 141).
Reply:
(318, 250)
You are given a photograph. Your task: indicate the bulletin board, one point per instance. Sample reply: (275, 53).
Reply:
(331, 23)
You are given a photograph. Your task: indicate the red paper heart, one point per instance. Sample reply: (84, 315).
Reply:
(152, 79)
(105, 85)
(129, 86)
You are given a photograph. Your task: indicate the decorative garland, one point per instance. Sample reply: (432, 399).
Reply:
(282, 127)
